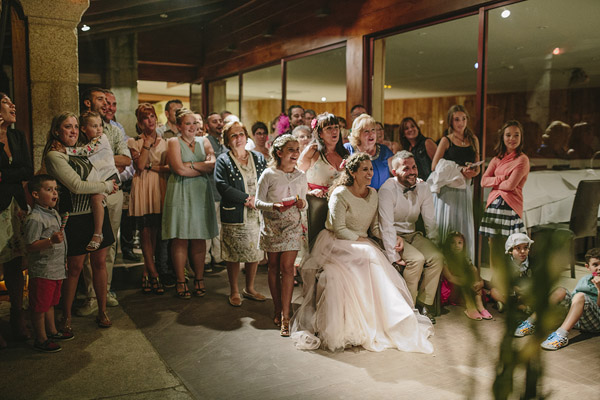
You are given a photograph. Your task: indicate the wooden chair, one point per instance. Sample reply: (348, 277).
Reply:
(584, 218)
(316, 215)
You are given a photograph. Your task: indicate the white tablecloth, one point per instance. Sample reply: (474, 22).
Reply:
(548, 195)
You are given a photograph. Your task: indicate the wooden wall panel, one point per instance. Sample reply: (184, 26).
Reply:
(567, 105)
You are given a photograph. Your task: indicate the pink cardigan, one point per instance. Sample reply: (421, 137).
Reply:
(507, 177)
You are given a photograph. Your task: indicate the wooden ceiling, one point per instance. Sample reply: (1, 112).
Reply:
(170, 33)
(118, 17)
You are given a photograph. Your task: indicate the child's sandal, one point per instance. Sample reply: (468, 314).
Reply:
(93, 245)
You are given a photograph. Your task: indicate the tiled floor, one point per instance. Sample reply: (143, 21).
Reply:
(164, 347)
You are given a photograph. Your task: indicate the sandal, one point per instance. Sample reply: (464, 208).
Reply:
(198, 291)
(185, 293)
(285, 327)
(93, 245)
(157, 286)
(66, 326)
(103, 321)
(146, 288)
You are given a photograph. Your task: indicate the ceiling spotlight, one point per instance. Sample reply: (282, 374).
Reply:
(556, 51)
(323, 98)
(164, 16)
(505, 14)
(85, 28)
(476, 65)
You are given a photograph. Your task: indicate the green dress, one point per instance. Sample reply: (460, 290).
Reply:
(189, 209)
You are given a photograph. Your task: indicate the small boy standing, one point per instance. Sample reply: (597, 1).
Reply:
(583, 305)
(46, 254)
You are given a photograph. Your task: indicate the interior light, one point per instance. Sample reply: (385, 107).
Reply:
(556, 51)
(476, 65)
(85, 28)
(323, 98)
(164, 16)
(505, 14)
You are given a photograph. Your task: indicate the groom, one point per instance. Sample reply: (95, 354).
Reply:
(401, 200)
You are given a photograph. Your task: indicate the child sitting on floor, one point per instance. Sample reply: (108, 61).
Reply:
(100, 154)
(583, 305)
(46, 255)
(461, 278)
(517, 248)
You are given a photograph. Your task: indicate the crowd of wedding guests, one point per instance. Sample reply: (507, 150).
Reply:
(205, 192)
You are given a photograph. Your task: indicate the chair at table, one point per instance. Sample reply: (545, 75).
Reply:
(584, 218)
(317, 215)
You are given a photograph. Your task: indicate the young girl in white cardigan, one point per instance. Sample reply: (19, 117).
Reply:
(281, 196)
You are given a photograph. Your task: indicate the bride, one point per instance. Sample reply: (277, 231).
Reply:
(359, 299)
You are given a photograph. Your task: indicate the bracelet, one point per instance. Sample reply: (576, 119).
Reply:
(50, 240)
(192, 165)
(146, 148)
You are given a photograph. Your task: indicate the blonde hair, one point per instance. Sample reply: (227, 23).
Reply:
(181, 113)
(359, 124)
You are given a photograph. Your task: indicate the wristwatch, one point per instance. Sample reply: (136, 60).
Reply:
(149, 166)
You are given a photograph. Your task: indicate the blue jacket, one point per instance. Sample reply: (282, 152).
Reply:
(230, 185)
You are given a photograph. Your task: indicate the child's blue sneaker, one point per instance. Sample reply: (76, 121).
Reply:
(524, 329)
(554, 342)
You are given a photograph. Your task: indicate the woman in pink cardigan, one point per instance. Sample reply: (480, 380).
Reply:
(506, 175)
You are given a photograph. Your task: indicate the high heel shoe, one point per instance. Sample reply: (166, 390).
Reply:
(146, 288)
(285, 327)
(185, 293)
(199, 291)
(157, 286)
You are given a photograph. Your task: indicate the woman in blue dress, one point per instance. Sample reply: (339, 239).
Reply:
(363, 138)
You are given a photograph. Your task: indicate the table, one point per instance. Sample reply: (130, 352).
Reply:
(548, 196)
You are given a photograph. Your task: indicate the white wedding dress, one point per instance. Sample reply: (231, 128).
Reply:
(359, 299)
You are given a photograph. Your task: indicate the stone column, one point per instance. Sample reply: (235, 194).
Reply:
(53, 62)
(121, 78)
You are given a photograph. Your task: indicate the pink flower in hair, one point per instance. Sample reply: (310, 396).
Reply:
(343, 164)
(313, 124)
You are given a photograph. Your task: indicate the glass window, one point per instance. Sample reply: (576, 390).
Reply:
(196, 97)
(422, 73)
(224, 95)
(261, 95)
(544, 71)
(318, 82)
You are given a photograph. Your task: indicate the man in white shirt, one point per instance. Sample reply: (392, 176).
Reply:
(401, 200)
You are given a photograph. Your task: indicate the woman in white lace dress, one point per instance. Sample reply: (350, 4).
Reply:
(359, 299)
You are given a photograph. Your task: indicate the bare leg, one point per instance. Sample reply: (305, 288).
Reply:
(75, 265)
(275, 281)
(13, 278)
(49, 320)
(148, 243)
(575, 312)
(98, 214)
(496, 295)
(179, 251)
(233, 271)
(198, 252)
(39, 327)
(250, 277)
(287, 281)
(99, 278)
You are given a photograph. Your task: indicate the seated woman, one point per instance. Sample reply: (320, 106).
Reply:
(360, 299)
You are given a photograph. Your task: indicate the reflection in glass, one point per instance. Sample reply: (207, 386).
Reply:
(224, 95)
(549, 82)
(422, 73)
(318, 82)
(261, 95)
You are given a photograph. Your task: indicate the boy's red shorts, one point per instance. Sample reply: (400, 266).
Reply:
(43, 294)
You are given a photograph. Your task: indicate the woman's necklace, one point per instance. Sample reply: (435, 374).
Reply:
(190, 143)
(462, 140)
(244, 158)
